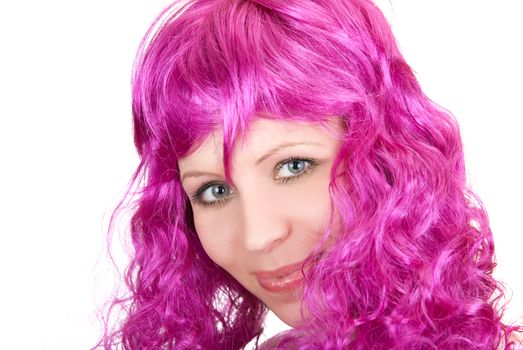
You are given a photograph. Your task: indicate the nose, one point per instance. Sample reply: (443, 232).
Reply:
(265, 226)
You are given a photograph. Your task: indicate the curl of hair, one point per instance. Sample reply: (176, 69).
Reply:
(412, 263)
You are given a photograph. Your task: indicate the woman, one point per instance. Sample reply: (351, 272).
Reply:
(290, 161)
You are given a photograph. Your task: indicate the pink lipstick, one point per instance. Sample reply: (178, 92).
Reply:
(284, 279)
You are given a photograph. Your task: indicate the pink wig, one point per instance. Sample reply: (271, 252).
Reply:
(411, 267)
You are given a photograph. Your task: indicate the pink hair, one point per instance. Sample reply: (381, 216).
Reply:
(411, 267)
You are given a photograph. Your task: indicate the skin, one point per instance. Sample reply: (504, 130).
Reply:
(260, 222)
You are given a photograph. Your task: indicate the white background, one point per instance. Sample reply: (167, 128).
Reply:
(67, 152)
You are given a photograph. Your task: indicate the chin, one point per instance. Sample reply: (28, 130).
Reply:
(289, 314)
(291, 322)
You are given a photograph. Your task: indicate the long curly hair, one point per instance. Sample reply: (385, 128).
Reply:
(412, 261)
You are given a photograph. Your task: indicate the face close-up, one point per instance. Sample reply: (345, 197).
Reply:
(273, 214)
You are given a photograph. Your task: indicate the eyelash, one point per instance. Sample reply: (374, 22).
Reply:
(311, 164)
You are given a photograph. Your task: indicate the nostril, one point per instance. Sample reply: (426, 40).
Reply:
(262, 241)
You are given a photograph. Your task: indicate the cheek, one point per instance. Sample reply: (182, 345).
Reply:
(309, 203)
(216, 239)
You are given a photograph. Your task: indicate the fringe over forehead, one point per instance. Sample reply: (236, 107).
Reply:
(207, 65)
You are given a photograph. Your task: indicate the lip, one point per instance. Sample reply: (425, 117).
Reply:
(283, 279)
(285, 283)
(280, 272)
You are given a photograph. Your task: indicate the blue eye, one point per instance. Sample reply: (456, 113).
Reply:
(293, 168)
(214, 193)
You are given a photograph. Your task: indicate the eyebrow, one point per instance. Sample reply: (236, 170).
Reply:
(268, 154)
(278, 148)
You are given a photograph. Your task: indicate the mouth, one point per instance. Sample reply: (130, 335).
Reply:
(283, 279)
(285, 283)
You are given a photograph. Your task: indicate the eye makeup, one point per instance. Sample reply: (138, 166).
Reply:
(197, 195)
(310, 163)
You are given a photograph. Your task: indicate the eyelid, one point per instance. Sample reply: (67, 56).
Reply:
(284, 179)
(205, 186)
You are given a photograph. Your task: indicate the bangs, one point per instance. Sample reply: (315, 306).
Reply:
(213, 65)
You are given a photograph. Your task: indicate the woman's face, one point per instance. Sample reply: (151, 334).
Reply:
(276, 210)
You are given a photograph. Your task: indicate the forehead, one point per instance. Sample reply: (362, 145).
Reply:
(263, 134)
